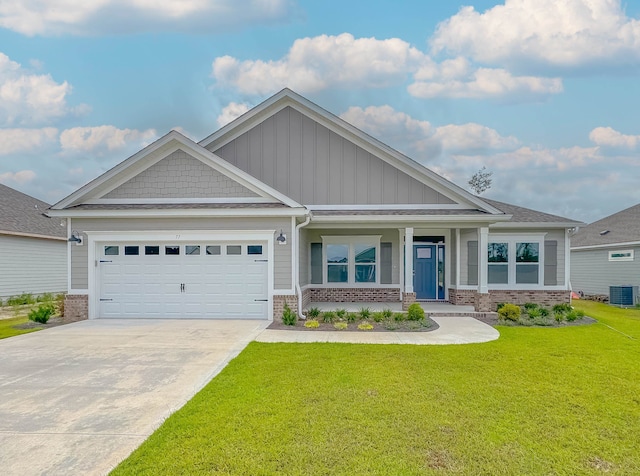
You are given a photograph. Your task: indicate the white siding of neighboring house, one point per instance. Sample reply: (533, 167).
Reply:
(32, 265)
(593, 273)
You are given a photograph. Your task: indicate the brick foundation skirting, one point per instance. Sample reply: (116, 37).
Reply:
(76, 307)
(407, 300)
(353, 294)
(489, 302)
(278, 305)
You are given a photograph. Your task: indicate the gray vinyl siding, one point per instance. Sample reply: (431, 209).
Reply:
(315, 166)
(466, 235)
(281, 253)
(180, 176)
(593, 273)
(32, 265)
(315, 236)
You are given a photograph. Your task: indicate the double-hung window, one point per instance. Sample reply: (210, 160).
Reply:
(346, 260)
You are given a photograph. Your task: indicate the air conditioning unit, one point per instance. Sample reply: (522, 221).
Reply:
(623, 295)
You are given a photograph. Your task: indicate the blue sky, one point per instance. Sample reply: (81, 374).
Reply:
(544, 93)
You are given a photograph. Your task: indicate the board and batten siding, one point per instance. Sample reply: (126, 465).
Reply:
(32, 265)
(315, 166)
(593, 273)
(281, 253)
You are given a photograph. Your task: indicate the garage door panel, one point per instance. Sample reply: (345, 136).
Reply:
(215, 286)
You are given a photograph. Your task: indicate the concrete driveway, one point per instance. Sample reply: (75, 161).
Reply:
(77, 399)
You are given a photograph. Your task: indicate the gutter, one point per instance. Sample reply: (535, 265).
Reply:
(296, 254)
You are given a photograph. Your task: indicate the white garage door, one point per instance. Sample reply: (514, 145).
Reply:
(187, 280)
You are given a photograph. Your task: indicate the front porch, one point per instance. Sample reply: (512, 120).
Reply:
(430, 308)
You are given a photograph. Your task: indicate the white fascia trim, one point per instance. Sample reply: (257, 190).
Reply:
(534, 225)
(610, 245)
(407, 218)
(179, 236)
(286, 97)
(195, 150)
(32, 235)
(82, 292)
(180, 212)
(143, 201)
(407, 206)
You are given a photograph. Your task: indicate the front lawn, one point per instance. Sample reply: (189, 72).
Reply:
(7, 327)
(536, 401)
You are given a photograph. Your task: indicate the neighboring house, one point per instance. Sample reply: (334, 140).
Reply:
(33, 247)
(607, 253)
(289, 203)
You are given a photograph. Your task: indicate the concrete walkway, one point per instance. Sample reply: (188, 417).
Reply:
(77, 399)
(452, 330)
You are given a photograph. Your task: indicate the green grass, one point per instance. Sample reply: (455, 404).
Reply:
(7, 327)
(537, 401)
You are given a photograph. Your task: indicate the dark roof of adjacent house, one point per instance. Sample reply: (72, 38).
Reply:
(526, 215)
(621, 227)
(21, 214)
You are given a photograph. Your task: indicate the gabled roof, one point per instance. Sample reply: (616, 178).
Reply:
(622, 227)
(140, 161)
(524, 216)
(21, 214)
(286, 97)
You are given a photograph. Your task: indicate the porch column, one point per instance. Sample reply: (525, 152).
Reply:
(408, 260)
(483, 242)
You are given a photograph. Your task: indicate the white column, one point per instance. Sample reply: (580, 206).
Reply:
(408, 261)
(457, 283)
(567, 259)
(483, 241)
(401, 258)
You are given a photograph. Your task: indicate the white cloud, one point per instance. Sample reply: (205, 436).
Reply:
(606, 136)
(27, 98)
(314, 64)
(26, 140)
(103, 138)
(456, 79)
(230, 112)
(471, 136)
(81, 17)
(564, 33)
(21, 177)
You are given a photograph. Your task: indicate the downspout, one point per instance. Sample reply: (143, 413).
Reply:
(296, 254)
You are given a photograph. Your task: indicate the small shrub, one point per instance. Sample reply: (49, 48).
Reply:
(391, 325)
(387, 313)
(312, 324)
(351, 317)
(340, 313)
(544, 312)
(365, 313)
(46, 297)
(530, 305)
(289, 317)
(378, 316)
(399, 317)
(365, 326)
(558, 316)
(580, 313)
(340, 325)
(415, 312)
(313, 313)
(509, 312)
(563, 308)
(328, 316)
(500, 305)
(571, 315)
(534, 312)
(543, 321)
(42, 313)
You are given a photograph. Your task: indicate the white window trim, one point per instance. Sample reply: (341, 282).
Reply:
(621, 258)
(512, 240)
(350, 241)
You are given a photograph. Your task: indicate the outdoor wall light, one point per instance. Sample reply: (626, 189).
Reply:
(76, 238)
(281, 238)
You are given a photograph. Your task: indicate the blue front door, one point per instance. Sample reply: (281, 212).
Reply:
(425, 276)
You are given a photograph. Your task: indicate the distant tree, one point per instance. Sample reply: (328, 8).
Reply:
(481, 180)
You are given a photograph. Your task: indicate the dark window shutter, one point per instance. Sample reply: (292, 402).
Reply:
(550, 263)
(385, 263)
(472, 262)
(316, 263)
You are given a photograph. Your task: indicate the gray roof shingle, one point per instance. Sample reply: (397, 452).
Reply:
(623, 227)
(21, 213)
(526, 215)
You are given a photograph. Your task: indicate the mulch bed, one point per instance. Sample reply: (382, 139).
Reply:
(52, 322)
(427, 325)
(526, 322)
